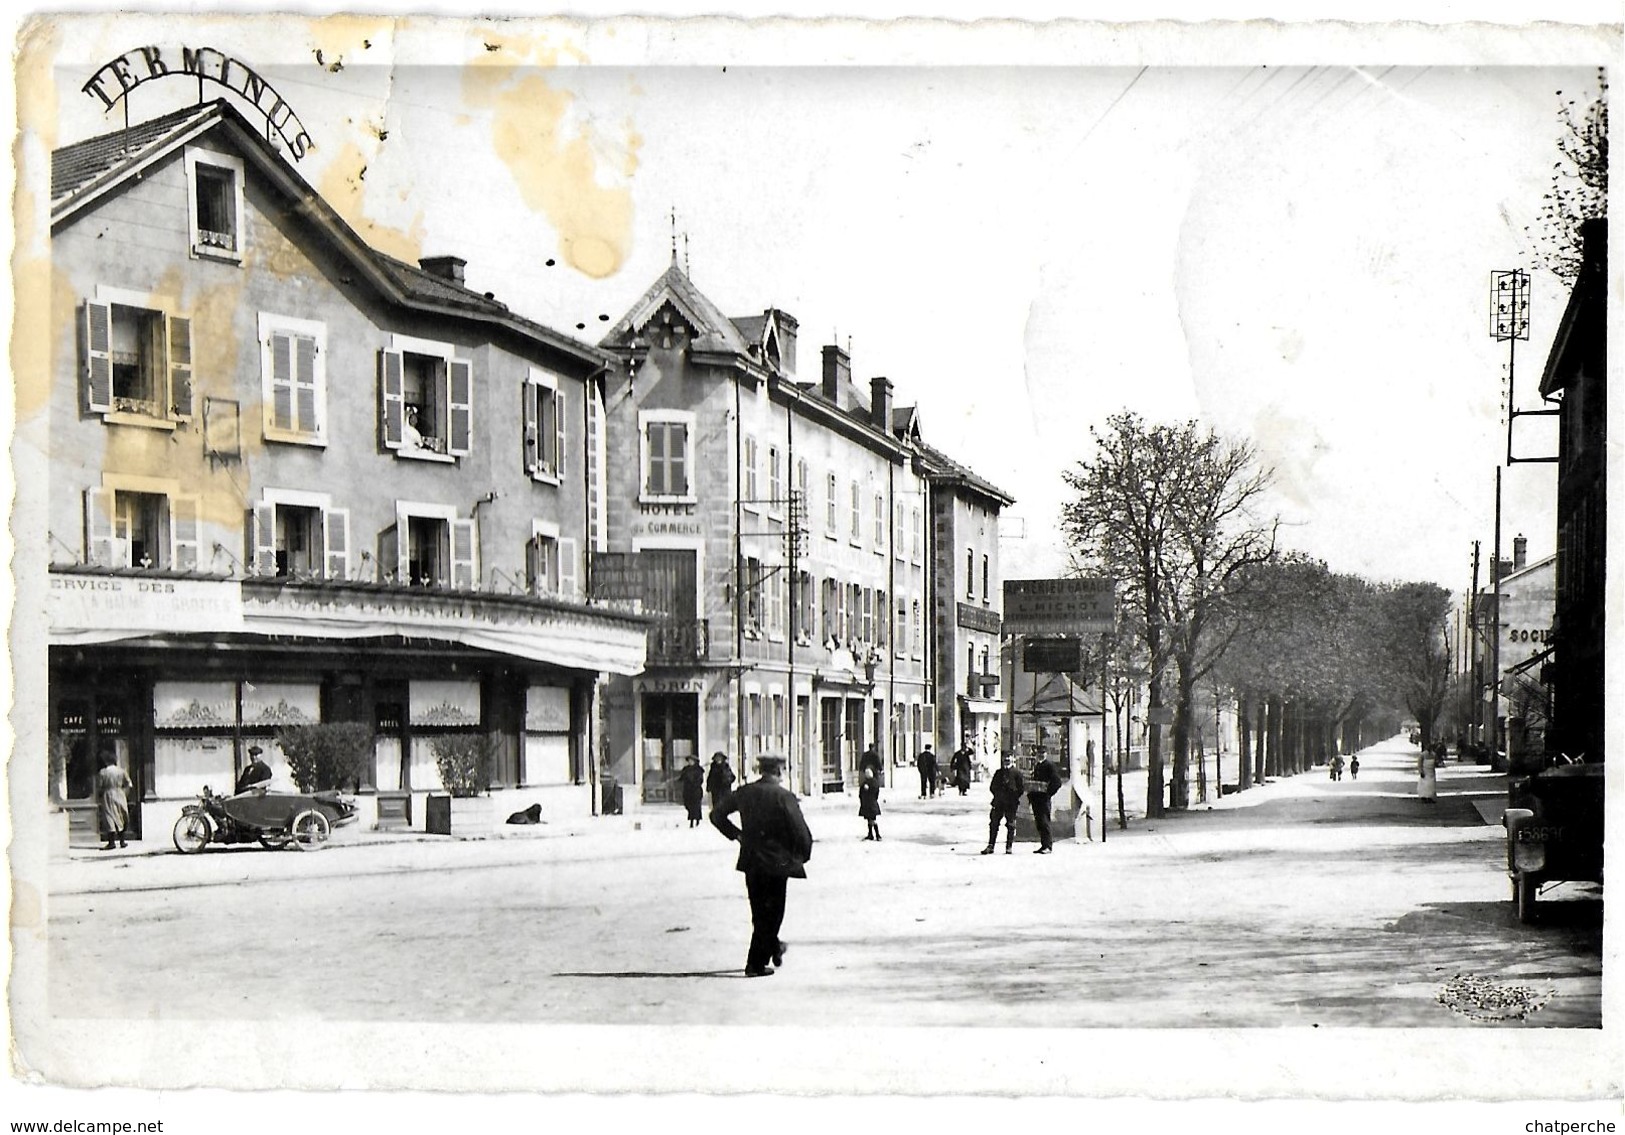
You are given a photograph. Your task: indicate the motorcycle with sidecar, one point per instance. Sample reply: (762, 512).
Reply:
(1554, 831)
(275, 819)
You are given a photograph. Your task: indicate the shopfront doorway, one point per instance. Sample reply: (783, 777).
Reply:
(671, 734)
(85, 729)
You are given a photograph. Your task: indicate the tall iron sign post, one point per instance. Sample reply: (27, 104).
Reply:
(1051, 616)
(1509, 322)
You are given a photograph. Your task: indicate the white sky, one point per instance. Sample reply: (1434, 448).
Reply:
(1297, 255)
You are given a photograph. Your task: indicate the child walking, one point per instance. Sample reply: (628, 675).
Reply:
(869, 802)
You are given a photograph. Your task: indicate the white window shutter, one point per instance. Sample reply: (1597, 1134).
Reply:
(460, 404)
(99, 546)
(180, 366)
(336, 535)
(558, 434)
(185, 531)
(465, 568)
(568, 573)
(533, 438)
(536, 565)
(262, 540)
(389, 555)
(98, 357)
(279, 410)
(391, 381)
(304, 383)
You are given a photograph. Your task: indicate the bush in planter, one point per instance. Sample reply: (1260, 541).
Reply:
(464, 761)
(329, 755)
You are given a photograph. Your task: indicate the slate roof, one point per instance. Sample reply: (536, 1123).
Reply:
(79, 171)
(713, 330)
(81, 163)
(940, 466)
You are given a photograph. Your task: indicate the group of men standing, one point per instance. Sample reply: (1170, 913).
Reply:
(960, 767)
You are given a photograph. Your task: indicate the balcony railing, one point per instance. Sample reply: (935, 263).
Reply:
(678, 642)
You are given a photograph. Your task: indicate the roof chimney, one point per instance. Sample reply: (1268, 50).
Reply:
(880, 403)
(446, 267)
(1520, 552)
(837, 372)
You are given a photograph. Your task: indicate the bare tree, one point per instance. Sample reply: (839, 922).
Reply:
(1579, 189)
(1166, 511)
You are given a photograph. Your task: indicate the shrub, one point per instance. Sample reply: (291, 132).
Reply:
(464, 761)
(325, 756)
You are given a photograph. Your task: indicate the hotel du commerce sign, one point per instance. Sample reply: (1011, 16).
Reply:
(116, 78)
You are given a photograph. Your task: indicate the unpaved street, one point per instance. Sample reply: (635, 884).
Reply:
(1303, 902)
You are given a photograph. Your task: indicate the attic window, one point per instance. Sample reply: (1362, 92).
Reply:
(214, 185)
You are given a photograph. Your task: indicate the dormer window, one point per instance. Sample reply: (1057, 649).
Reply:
(214, 186)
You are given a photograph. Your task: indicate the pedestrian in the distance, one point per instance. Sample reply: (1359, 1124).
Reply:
(774, 845)
(1006, 786)
(926, 762)
(869, 762)
(869, 803)
(112, 801)
(692, 780)
(1337, 766)
(1354, 767)
(960, 764)
(1045, 783)
(719, 779)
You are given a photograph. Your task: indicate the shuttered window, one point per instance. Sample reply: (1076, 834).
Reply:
(294, 386)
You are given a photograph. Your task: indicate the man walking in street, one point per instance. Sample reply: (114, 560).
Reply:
(1006, 787)
(926, 762)
(774, 845)
(1046, 782)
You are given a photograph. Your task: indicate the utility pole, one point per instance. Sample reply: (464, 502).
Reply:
(1472, 661)
(1509, 322)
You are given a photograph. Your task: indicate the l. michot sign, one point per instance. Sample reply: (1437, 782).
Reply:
(118, 77)
(1059, 606)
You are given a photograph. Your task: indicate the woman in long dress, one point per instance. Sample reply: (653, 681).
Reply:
(112, 803)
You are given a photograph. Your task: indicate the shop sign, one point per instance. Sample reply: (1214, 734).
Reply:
(1052, 655)
(671, 685)
(976, 618)
(1059, 606)
(129, 603)
(118, 77)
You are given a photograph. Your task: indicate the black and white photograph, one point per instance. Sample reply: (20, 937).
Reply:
(814, 561)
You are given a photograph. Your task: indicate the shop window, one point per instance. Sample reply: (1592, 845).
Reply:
(427, 400)
(668, 455)
(301, 538)
(141, 529)
(544, 418)
(215, 204)
(138, 360)
(293, 383)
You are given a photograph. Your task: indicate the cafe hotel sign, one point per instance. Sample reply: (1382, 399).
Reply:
(118, 77)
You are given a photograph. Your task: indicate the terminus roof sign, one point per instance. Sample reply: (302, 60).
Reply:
(118, 77)
(1059, 606)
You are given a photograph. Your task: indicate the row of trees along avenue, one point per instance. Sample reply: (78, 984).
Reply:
(1318, 662)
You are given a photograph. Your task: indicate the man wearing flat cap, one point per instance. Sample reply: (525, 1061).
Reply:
(255, 772)
(774, 845)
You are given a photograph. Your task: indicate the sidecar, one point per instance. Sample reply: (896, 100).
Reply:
(270, 816)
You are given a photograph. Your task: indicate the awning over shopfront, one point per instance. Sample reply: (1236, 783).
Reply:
(991, 706)
(85, 608)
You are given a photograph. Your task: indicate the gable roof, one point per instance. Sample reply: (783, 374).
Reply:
(83, 173)
(712, 330)
(939, 467)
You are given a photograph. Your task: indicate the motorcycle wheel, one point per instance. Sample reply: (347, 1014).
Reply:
(191, 834)
(309, 830)
(276, 841)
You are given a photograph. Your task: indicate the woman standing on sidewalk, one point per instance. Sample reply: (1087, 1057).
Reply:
(719, 780)
(112, 805)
